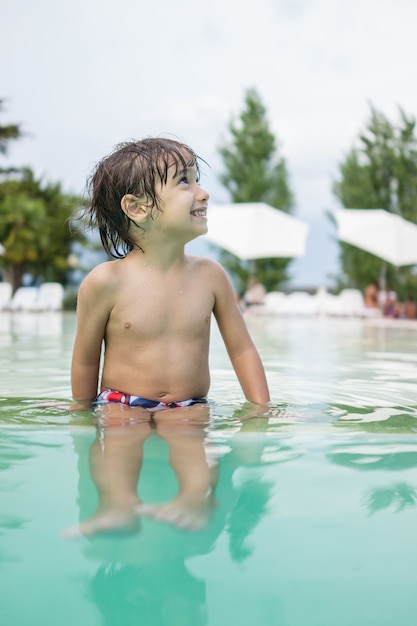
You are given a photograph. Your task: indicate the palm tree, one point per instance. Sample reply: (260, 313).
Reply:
(22, 231)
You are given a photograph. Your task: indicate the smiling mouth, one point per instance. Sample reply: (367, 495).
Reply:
(199, 212)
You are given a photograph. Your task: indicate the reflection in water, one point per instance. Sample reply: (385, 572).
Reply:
(377, 418)
(381, 457)
(12, 452)
(28, 323)
(291, 525)
(116, 459)
(338, 361)
(162, 593)
(307, 517)
(205, 489)
(399, 496)
(375, 457)
(250, 507)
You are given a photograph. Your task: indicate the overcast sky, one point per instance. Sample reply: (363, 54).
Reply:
(81, 76)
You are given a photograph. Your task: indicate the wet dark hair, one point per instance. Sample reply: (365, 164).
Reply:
(134, 167)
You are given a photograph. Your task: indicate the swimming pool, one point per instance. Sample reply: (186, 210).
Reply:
(316, 515)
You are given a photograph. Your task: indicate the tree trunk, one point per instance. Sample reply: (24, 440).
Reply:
(16, 275)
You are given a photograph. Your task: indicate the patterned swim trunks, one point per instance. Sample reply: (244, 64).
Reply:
(110, 395)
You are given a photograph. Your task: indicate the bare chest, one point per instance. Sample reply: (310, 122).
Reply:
(148, 313)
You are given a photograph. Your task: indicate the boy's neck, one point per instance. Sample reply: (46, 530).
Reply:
(161, 250)
(162, 257)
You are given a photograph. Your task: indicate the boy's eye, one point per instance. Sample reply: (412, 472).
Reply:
(188, 177)
(186, 180)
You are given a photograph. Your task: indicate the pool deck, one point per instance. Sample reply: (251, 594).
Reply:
(379, 321)
(389, 322)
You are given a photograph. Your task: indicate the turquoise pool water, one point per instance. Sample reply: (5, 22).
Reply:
(316, 513)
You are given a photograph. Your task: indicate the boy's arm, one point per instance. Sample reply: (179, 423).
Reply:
(92, 315)
(240, 347)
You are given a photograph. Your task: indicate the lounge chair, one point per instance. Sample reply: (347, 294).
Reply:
(5, 295)
(24, 299)
(274, 301)
(328, 303)
(47, 297)
(348, 303)
(50, 297)
(352, 303)
(299, 303)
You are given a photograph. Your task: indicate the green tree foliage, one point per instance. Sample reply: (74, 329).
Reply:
(35, 230)
(8, 133)
(22, 229)
(255, 172)
(379, 173)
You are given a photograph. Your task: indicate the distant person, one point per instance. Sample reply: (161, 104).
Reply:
(152, 306)
(371, 295)
(255, 293)
(388, 302)
(410, 308)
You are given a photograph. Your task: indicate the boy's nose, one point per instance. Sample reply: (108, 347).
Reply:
(203, 194)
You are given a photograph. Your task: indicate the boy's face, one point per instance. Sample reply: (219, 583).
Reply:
(183, 203)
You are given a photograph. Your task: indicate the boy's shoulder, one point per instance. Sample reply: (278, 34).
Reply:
(210, 271)
(102, 274)
(202, 262)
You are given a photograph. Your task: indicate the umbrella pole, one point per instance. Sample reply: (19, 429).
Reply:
(383, 277)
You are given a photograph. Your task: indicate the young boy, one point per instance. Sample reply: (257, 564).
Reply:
(152, 306)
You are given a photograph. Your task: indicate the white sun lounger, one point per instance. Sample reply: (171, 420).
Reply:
(50, 297)
(24, 298)
(47, 297)
(5, 295)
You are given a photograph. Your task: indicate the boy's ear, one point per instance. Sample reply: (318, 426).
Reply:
(134, 208)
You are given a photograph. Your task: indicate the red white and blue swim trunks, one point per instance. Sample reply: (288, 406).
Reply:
(110, 395)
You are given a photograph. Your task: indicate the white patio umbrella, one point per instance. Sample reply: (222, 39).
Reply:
(256, 230)
(386, 235)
